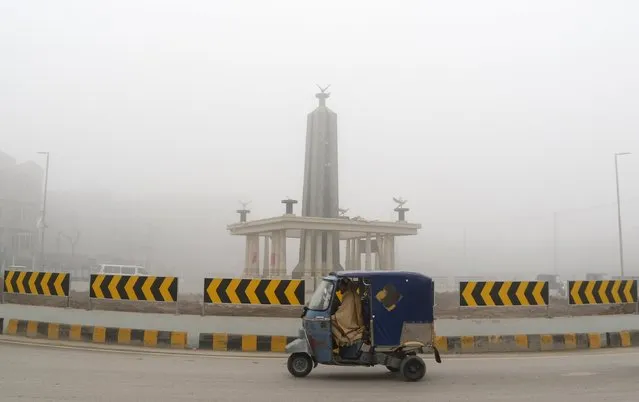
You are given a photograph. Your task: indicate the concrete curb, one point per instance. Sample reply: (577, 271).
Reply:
(132, 349)
(534, 343)
(447, 344)
(221, 342)
(247, 343)
(98, 335)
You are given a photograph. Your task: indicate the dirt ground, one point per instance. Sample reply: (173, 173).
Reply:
(446, 307)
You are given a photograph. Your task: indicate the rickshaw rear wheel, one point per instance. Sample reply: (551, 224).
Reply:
(413, 368)
(299, 364)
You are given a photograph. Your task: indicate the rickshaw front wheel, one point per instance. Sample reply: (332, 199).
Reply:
(299, 364)
(413, 368)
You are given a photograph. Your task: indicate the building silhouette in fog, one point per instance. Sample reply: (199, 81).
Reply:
(20, 204)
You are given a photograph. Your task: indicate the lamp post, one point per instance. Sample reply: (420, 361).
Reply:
(554, 243)
(44, 209)
(617, 155)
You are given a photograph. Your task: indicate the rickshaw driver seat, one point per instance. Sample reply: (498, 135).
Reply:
(348, 322)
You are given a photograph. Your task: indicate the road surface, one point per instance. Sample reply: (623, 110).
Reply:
(58, 373)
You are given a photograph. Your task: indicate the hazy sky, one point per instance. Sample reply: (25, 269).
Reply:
(476, 112)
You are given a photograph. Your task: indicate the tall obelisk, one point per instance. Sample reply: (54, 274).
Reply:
(320, 198)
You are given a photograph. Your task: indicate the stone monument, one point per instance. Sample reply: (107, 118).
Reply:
(320, 196)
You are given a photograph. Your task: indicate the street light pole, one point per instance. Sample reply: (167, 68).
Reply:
(554, 243)
(619, 212)
(465, 253)
(44, 209)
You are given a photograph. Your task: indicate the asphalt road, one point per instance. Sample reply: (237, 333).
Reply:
(57, 373)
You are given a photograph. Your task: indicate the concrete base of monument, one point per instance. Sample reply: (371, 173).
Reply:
(300, 273)
(310, 284)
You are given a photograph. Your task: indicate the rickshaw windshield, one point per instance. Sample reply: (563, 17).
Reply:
(321, 298)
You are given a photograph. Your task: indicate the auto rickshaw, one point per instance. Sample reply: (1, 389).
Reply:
(367, 318)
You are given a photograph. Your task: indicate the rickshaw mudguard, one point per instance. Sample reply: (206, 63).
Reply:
(419, 347)
(299, 345)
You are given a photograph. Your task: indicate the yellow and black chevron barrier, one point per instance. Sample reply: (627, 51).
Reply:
(507, 293)
(140, 288)
(254, 291)
(37, 283)
(602, 292)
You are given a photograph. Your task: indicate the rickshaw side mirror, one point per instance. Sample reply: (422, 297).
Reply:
(304, 310)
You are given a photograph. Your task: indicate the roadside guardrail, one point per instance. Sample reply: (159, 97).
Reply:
(135, 288)
(291, 292)
(36, 283)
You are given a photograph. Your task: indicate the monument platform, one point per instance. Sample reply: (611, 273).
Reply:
(347, 228)
(362, 237)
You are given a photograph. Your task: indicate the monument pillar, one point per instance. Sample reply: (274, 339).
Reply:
(355, 255)
(253, 258)
(330, 262)
(275, 257)
(391, 246)
(320, 194)
(381, 250)
(317, 271)
(388, 251)
(368, 259)
(282, 249)
(347, 257)
(308, 243)
(351, 255)
(247, 258)
(266, 269)
(377, 246)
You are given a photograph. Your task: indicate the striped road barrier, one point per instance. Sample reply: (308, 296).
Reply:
(134, 288)
(37, 283)
(602, 292)
(506, 293)
(224, 342)
(97, 334)
(254, 291)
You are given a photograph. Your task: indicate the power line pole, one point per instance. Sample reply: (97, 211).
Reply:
(554, 242)
(44, 209)
(619, 212)
(465, 253)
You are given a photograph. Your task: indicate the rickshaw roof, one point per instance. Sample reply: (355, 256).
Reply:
(385, 274)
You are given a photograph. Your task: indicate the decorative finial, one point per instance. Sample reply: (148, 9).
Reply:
(400, 201)
(323, 95)
(400, 209)
(289, 202)
(244, 211)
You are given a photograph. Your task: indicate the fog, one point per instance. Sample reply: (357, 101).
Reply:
(489, 117)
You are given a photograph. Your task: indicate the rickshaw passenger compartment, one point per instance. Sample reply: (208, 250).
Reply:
(392, 322)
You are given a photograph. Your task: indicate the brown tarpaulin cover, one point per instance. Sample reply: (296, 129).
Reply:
(348, 322)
